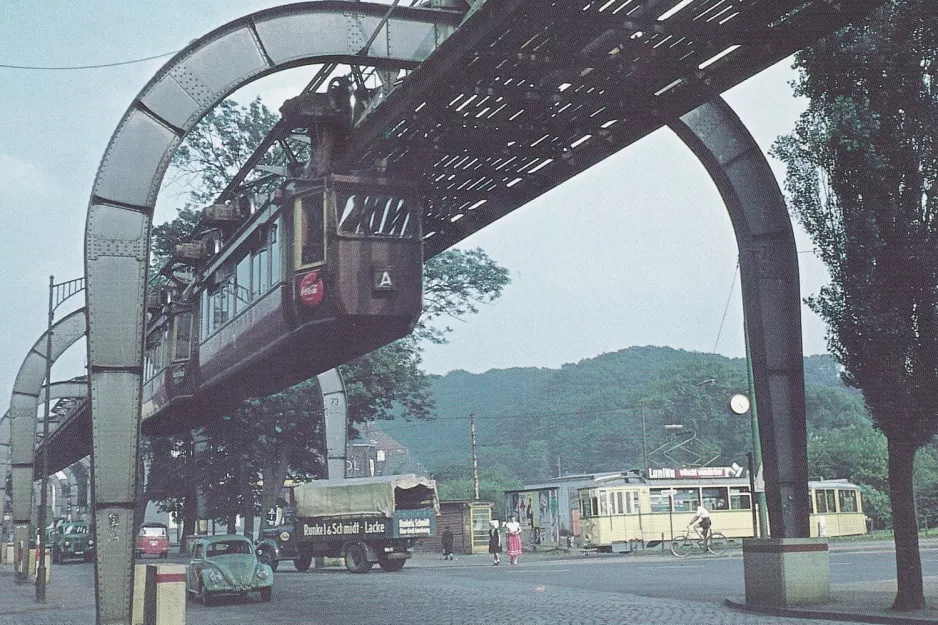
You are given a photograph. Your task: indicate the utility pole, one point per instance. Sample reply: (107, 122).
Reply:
(475, 460)
(644, 444)
(759, 497)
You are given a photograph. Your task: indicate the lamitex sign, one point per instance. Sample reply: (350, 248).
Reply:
(693, 473)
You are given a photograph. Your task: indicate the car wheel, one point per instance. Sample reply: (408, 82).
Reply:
(56, 559)
(390, 565)
(207, 598)
(263, 555)
(303, 563)
(164, 555)
(356, 558)
(267, 593)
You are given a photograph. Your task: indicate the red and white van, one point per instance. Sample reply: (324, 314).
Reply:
(153, 540)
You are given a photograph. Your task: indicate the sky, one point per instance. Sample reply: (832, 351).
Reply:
(638, 250)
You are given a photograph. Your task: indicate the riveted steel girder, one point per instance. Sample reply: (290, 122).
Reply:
(335, 420)
(768, 262)
(124, 193)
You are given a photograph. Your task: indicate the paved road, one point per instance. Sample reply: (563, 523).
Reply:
(587, 591)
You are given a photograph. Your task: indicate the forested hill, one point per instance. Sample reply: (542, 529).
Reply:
(587, 416)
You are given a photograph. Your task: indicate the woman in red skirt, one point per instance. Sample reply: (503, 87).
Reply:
(513, 528)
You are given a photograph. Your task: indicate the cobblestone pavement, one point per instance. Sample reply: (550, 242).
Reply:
(423, 592)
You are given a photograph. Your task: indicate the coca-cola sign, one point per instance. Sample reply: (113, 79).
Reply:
(311, 289)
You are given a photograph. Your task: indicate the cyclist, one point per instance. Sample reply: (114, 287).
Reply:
(702, 520)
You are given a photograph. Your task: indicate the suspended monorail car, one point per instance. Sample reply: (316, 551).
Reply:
(319, 272)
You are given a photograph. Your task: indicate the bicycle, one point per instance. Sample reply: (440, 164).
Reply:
(683, 545)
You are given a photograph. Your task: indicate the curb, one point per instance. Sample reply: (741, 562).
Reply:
(828, 616)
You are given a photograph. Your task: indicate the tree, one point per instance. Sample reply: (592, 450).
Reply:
(862, 169)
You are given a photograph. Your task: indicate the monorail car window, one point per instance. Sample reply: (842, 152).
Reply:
(310, 224)
(375, 215)
(243, 283)
(182, 323)
(276, 250)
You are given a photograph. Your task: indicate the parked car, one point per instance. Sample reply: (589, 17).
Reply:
(71, 541)
(227, 565)
(153, 540)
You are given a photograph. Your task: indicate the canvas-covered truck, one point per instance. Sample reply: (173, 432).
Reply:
(364, 520)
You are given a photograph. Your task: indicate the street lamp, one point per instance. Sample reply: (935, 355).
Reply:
(58, 293)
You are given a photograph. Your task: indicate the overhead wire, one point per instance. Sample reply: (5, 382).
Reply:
(83, 67)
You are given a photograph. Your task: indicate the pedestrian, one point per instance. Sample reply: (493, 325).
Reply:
(495, 540)
(447, 539)
(514, 540)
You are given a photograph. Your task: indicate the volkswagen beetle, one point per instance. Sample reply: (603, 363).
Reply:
(226, 565)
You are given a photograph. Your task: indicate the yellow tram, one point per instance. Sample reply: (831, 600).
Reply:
(629, 509)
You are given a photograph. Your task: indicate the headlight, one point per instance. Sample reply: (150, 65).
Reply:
(214, 576)
(67, 543)
(284, 536)
(90, 543)
(262, 572)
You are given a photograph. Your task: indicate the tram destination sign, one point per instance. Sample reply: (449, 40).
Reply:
(693, 473)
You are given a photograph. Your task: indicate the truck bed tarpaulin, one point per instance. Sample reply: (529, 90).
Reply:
(368, 496)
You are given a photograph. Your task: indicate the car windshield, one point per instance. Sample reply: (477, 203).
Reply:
(226, 548)
(153, 532)
(76, 529)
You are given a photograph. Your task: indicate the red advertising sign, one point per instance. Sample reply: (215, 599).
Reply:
(310, 289)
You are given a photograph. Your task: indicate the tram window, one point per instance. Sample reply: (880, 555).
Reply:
(715, 498)
(831, 500)
(183, 327)
(740, 499)
(848, 500)
(686, 499)
(311, 230)
(243, 283)
(375, 215)
(660, 500)
(631, 501)
(603, 510)
(619, 502)
(821, 502)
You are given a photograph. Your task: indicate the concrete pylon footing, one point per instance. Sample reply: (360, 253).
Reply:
(786, 572)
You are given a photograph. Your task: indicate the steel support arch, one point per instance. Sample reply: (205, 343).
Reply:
(768, 262)
(24, 403)
(60, 390)
(124, 194)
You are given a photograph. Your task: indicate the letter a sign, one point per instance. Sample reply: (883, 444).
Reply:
(383, 280)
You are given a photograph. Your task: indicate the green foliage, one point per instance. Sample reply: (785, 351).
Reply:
(455, 483)
(587, 417)
(219, 145)
(455, 283)
(863, 182)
